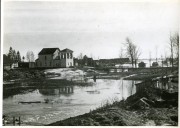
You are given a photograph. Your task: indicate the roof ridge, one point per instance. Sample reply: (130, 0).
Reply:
(48, 51)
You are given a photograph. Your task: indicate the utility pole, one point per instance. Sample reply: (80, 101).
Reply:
(156, 52)
(162, 60)
(150, 59)
(171, 45)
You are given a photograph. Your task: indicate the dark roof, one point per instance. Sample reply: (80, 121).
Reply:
(86, 57)
(46, 51)
(66, 50)
(115, 60)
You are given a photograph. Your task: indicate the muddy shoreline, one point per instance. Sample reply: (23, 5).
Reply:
(128, 112)
(125, 113)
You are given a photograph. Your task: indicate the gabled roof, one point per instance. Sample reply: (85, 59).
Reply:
(87, 58)
(46, 51)
(66, 50)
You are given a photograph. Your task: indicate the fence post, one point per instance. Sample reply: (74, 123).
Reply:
(19, 121)
(13, 121)
(4, 122)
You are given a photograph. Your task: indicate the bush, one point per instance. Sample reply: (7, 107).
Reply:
(155, 64)
(142, 65)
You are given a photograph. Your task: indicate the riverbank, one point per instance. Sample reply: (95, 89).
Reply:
(132, 111)
(19, 81)
(115, 116)
(19, 74)
(153, 107)
(65, 100)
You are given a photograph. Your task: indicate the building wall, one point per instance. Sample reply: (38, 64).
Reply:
(31, 64)
(69, 63)
(45, 61)
(66, 59)
(58, 59)
(63, 63)
(48, 60)
(23, 64)
(56, 63)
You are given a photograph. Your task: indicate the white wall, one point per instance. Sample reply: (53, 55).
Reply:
(65, 60)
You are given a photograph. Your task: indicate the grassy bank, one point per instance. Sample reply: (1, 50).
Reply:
(142, 77)
(16, 74)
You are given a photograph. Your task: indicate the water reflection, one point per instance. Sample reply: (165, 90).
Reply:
(67, 101)
(57, 91)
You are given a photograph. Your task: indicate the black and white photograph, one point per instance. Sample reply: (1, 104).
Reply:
(90, 63)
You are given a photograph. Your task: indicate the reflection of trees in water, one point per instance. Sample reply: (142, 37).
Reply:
(57, 91)
(127, 88)
(133, 87)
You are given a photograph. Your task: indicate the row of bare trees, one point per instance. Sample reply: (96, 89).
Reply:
(174, 48)
(133, 51)
(30, 56)
(13, 56)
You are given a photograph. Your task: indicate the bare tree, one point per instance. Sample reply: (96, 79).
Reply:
(30, 56)
(80, 56)
(165, 59)
(174, 46)
(171, 49)
(80, 59)
(149, 58)
(121, 53)
(137, 53)
(156, 47)
(161, 60)
(174, 49)
(23, 58)
(129, 50)
(132, 51)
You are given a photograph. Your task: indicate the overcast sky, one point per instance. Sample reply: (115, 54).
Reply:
(93, 28)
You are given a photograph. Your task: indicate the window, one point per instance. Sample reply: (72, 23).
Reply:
(50, 63)
(45, 57)
(64, 55)
(71, 55)
(68, 55)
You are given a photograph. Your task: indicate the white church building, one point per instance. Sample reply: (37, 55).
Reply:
(54, 57)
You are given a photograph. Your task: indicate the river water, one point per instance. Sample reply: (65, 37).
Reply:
(67, 101)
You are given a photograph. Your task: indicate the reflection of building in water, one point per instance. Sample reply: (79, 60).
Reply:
(57, 91)
(165, 83)
(66, 89)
